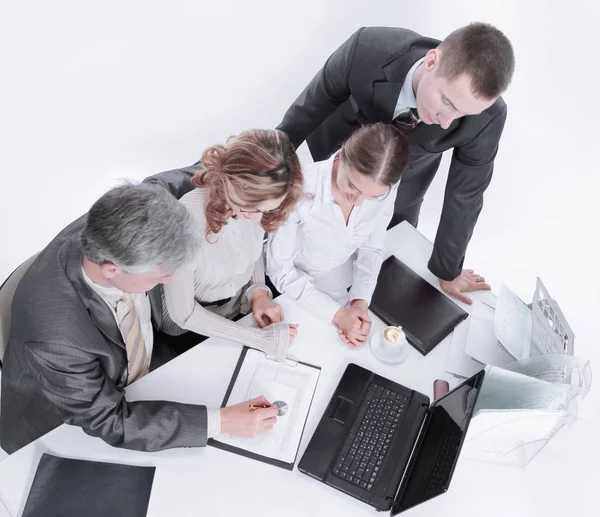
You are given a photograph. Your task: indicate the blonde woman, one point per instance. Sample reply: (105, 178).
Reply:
(246, 187)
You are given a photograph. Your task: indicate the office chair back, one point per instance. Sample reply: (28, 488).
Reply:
(7, 292)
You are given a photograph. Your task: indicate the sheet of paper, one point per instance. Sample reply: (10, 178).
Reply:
(482, 344)
(511, 437)
(458, 361)
(513, 323)
(276, 381)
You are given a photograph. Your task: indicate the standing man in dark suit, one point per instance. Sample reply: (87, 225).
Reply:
(443, 95)
(83, 321)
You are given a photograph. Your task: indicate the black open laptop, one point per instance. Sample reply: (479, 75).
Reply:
(384, 444)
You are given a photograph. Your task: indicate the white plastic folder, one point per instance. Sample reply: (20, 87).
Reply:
(516, 415)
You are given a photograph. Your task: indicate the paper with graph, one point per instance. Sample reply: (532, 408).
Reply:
(512, 324)
(294, 385)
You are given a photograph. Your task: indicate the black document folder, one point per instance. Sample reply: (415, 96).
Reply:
(64, 487)
(402, 298)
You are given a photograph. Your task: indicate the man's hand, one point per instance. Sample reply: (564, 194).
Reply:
(467, 281)
(265, 310)
(350, 323)
(240, 420)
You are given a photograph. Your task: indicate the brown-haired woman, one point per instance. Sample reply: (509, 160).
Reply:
(348, 212)
(245, 187)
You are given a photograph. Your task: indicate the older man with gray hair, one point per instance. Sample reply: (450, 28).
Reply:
(84, 320)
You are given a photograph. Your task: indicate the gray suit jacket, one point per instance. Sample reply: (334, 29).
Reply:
(66, 360)
(360, 84)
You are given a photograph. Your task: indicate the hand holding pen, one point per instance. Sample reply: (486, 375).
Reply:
(250, 418)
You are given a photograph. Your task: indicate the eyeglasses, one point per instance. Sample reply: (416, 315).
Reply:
(257, 211)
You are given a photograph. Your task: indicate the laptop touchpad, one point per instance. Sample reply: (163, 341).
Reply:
(340, 410)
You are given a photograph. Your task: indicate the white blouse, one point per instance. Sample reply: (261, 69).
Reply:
(316, 239)
(229, 264)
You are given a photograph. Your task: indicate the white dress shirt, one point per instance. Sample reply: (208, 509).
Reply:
(315, 239)
(111, 295)
(407, 98)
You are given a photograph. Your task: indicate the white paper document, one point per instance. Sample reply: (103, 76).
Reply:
(512, 324)
(458, 361)
(482, 344)
(294, 385)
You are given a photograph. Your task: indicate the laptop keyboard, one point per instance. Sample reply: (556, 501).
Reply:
(362, 455)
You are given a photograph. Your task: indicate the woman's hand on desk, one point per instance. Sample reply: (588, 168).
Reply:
(467, 281)
(265, 310)
(353, 325)
(293, 331)
(240, 420)
(363, 307)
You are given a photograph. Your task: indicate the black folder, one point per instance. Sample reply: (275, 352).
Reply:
(65, 487)
(402, 298)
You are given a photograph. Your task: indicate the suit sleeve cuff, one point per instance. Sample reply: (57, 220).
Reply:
(214, 422)
(442, 273)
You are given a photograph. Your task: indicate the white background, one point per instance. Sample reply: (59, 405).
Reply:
(94, 92)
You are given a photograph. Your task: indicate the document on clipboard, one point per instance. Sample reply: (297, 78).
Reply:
(291, 382)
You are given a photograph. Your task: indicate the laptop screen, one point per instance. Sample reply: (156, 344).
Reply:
(433, 462)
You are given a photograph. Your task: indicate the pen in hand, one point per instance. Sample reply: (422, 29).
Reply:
(258, 406)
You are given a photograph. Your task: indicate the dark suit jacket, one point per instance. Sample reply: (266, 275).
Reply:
(66, 360)
(360, 84)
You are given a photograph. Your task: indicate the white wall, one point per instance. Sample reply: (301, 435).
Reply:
(92, 92)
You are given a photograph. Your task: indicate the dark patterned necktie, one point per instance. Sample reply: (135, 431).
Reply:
(408, 120)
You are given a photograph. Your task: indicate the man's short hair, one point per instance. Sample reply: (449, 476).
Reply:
(482, 52)
(140, 228)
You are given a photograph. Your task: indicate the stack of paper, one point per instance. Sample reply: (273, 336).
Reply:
(503, 330)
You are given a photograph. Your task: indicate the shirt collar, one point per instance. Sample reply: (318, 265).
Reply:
(110, 295)
(327, 175)
(407, 95)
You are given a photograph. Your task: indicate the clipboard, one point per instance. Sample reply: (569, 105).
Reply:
(289, 363)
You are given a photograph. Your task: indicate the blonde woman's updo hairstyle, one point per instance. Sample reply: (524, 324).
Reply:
(255, 166)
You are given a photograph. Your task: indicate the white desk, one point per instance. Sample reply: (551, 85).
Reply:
(208, 481)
